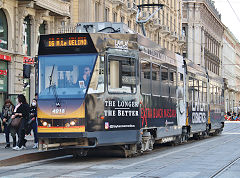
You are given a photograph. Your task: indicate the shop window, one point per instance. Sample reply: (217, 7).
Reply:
(27, 36)
(121, 74)
(3, 30)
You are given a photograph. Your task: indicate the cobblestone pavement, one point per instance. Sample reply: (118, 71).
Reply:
(201, 158)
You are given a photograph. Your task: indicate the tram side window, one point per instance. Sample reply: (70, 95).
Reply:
(145, 77)
(222, 96)
(200, 91)
(164, 82)
(217, 96)
(97, 81)
(121, 74)
(172, 83)
(180, 85)
(155, 79)
(211, 94)
(190, 89)
(204, 92)
(196, 90)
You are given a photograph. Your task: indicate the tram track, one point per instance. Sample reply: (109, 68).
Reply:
(44, 161)
(227, 166)
(107, 161)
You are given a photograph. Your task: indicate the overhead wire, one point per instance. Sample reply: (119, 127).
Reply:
(233, 11)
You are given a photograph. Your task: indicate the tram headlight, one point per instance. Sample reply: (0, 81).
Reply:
(72, 123)
(44, 124)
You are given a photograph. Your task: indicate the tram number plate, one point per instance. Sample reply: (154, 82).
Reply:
(58, 111)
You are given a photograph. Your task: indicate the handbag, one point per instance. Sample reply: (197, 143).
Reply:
(16, 122)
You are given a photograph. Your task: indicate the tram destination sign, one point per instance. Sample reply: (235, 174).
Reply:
(68, 43)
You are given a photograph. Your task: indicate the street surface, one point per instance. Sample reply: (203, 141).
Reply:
(209, 157)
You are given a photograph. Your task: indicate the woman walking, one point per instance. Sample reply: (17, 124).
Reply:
(21, 112)
(7, 112)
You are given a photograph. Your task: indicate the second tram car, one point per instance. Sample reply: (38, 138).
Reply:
(99, 89)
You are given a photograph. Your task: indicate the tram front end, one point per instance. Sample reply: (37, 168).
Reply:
(74, 109)
(65, 67)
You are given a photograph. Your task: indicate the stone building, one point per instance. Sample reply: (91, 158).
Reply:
(21, 22)
(204, 31)
(164, 28)
(231, 71)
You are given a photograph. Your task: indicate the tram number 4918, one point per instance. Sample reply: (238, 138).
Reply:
(58, 111)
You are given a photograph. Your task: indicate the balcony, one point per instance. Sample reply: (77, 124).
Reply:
(58, 7)
(165, 30)
(118, 4)
(182, 39)
(132, 8)
(174, 36)
(157, 23)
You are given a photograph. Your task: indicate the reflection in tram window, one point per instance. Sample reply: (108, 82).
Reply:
(196, 90)
(97, 81)
(63, 76)
(200, 91)
(121, 75)
(156, 79)
(180, 85)
(172, 83)
(145, 77)
(211, 94)
(164, 82)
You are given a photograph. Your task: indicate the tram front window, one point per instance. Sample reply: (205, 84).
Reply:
(66, 76)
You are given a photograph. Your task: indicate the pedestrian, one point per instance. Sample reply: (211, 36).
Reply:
(33, 121)
(21, 112)
(7, 112)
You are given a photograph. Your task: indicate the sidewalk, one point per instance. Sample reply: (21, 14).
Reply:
(10, 153)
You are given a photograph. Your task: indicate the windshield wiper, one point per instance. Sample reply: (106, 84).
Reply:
(50, 77)
(53, 86)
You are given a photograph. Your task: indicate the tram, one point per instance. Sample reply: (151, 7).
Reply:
(123, 90)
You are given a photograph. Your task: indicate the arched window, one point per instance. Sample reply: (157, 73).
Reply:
(3, 30)
(27, 36)
(42, 28)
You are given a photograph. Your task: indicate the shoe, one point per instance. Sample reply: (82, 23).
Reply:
(35, 145)
(15, 148)
(7, 146)
(18, 149)
(23, 147)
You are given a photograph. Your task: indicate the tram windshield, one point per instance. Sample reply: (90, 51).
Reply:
(65, 76)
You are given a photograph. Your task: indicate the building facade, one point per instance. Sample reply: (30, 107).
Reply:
(164, 28)
(231, 71)
(204, 32)
(21, 22)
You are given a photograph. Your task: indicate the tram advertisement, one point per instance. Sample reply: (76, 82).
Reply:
(161, 113)
(121, 115)
(197, 113)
